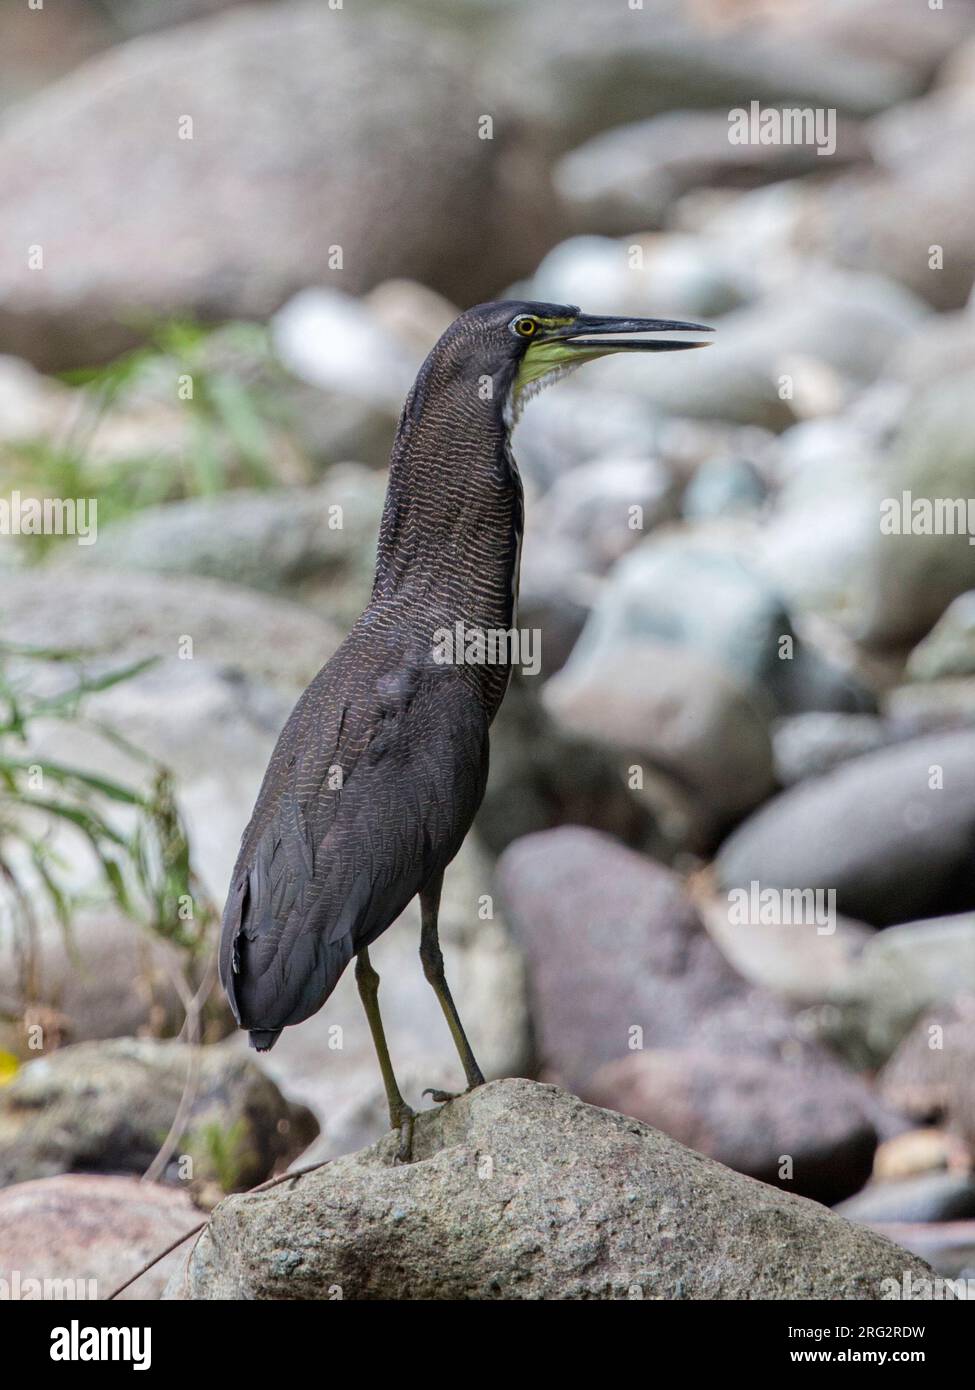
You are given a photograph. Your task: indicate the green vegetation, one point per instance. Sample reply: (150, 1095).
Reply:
(135, 834)
(223, 1153)
(221, 385)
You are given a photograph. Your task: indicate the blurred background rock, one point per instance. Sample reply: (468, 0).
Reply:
(228, 236)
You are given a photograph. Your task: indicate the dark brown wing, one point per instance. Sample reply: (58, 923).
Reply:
(370, 791)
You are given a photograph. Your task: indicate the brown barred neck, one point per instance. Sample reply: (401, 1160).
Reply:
(451, 529)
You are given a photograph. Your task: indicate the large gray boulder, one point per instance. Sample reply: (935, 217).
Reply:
(120, 617)
(520, 1191)
(703, 592)
(636, 1008)
(670, 707)
(108, 1106)
(612, 944)
(543, 776)
(276, 540)
(84, 1233)
(890, 832)
(804, 1128)
(312, 128)
(910, 574)
(573, 68)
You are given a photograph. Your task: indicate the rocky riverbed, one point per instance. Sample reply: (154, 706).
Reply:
(722, 885)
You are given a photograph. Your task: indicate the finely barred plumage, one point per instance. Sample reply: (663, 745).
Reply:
(370, 791)
(324, 869)
(379, 771)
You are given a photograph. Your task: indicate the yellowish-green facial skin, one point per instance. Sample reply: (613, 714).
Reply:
(547, 359)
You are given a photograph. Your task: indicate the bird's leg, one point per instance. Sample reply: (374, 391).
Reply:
(400, 1114)
(432, 960)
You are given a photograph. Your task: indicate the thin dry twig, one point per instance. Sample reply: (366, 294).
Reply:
(193, 1006)
(155, 1260)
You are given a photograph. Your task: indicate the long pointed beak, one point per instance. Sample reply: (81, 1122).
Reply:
(579, 335)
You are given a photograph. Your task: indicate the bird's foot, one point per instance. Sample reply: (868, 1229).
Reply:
(405, 1121)
(442, 1097)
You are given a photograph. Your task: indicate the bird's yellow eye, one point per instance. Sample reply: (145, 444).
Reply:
(525, 328)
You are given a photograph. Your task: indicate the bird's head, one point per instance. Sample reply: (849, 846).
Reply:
(522, 345)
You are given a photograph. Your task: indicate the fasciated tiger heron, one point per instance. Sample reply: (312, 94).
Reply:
(379, 771)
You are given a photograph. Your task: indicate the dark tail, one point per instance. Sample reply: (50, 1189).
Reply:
(264, 1040)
